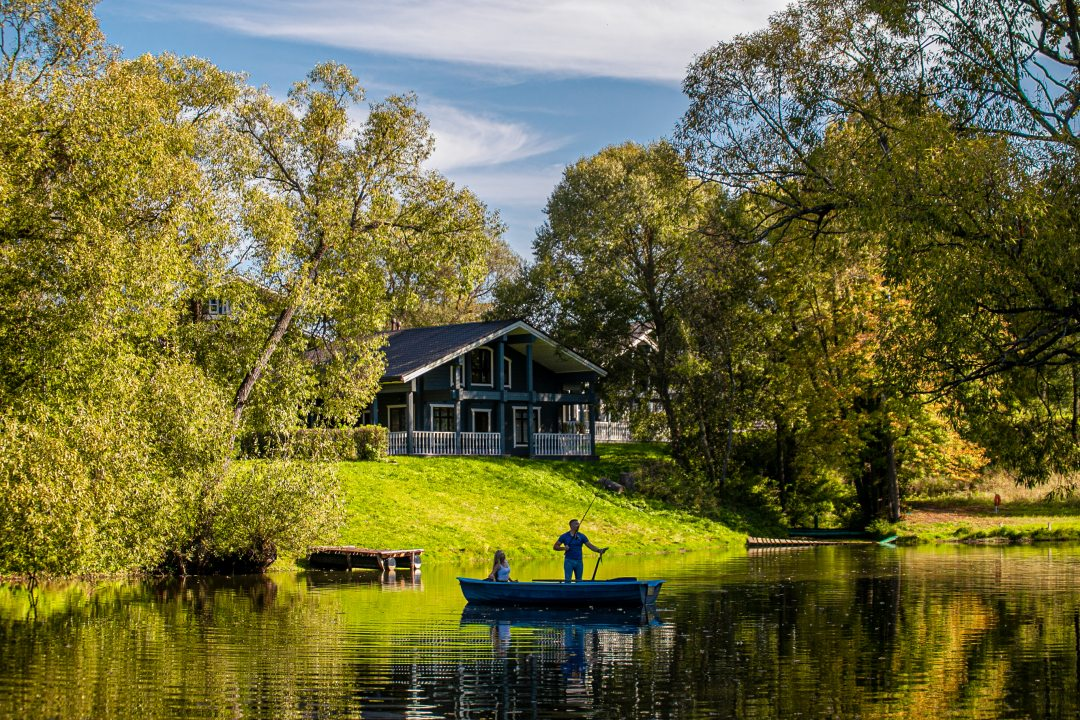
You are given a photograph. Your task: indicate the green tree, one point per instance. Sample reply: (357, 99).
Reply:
(610, 264)
(942, 133)
(343, 227)
(108, 430)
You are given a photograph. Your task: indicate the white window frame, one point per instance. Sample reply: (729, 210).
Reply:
(508, 366)
(217, 308)
(485, 411)
(431, 416)
(536, 422)
(491, 367)
(405, 412)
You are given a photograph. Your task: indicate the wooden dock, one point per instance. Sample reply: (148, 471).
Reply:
(349, 557)
(760, 542)
(754, 542)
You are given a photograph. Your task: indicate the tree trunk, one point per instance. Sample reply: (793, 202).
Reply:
(891, 475)
(243, 393)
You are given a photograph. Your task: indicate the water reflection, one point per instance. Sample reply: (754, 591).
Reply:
(826, 632)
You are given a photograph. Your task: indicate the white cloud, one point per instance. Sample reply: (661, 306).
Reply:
(640, 39)
(464, 139)
(511, 187)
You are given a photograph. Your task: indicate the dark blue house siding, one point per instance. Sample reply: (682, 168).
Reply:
(416, 378)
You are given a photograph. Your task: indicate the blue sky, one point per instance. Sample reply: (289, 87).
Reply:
(514, 89)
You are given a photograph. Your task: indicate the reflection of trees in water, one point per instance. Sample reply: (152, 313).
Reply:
(813, 634)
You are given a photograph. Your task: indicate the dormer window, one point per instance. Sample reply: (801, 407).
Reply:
(480, 366)
(216, 308)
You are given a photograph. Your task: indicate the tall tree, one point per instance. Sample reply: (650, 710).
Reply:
(106, 428)
(610, 263)
(941, 130)
(343, 227)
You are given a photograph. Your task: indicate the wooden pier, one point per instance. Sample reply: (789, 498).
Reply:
(349, 557)
(757, 542)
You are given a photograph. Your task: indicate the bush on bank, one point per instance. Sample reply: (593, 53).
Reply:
(366, 442)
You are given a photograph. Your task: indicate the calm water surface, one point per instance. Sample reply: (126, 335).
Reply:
(828, 632)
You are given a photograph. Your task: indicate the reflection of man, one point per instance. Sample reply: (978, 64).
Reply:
(570, 543)
(500, 638)
(574, 641)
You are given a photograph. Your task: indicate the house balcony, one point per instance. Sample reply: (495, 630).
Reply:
(490, 444)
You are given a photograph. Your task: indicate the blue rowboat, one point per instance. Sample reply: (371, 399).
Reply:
(620, 592)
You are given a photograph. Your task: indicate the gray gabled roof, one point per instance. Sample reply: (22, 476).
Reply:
(410, 353)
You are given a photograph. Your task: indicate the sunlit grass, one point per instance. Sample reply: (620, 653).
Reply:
(472, 506)
(1050, 511)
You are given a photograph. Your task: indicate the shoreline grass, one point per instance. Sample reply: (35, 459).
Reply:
(471, 506)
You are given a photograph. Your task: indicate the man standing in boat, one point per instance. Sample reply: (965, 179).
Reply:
(570, 544)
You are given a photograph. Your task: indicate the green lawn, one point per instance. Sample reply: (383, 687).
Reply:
(471, 506)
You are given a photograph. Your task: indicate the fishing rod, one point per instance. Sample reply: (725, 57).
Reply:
(587, 511)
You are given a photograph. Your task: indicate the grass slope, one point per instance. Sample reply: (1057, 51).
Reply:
(471, 506)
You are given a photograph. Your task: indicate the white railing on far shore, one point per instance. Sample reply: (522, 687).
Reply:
(561, 444)
(613, 432)
(443, 443)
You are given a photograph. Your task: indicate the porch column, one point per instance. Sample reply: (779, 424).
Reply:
(455, 392)
(375, 411)
(409, 421)
(529, 389)
(592, 418)
(500, 410)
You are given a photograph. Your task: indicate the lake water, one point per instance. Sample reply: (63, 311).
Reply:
(828, 632)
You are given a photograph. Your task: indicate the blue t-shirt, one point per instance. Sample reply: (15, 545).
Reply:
(573, 543)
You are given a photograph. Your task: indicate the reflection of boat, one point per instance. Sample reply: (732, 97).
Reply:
(625, 620)
(621, 592)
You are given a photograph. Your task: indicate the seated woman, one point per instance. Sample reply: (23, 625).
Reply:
(500, 571)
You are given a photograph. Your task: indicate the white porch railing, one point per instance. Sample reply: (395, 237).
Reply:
(442, 443)
(426, 442)
(399, 442)
(613, 432)
(561, 444)
(480, 443)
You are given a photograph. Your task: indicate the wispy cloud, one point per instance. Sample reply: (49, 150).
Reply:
(511, 187)
(639, 39)
(469, 140)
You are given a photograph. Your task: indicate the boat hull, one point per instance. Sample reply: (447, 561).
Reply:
(598, 593)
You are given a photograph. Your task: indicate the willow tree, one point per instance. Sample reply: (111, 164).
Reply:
(339, 225)
(106, 428)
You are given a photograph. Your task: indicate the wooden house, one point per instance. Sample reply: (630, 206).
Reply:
(486, 388)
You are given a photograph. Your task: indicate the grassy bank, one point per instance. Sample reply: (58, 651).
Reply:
(471, 506)
(1046, 513)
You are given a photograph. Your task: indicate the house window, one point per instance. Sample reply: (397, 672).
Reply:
(521, 425)
(507, 366)
(216, 307)
(395, 418)
(442, 418)
(480, 366)
(481, 421)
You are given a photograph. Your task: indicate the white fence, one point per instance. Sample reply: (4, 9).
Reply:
(426, 442)
(442, 443)
(478, 443)
(561, 444)
(613, 432)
